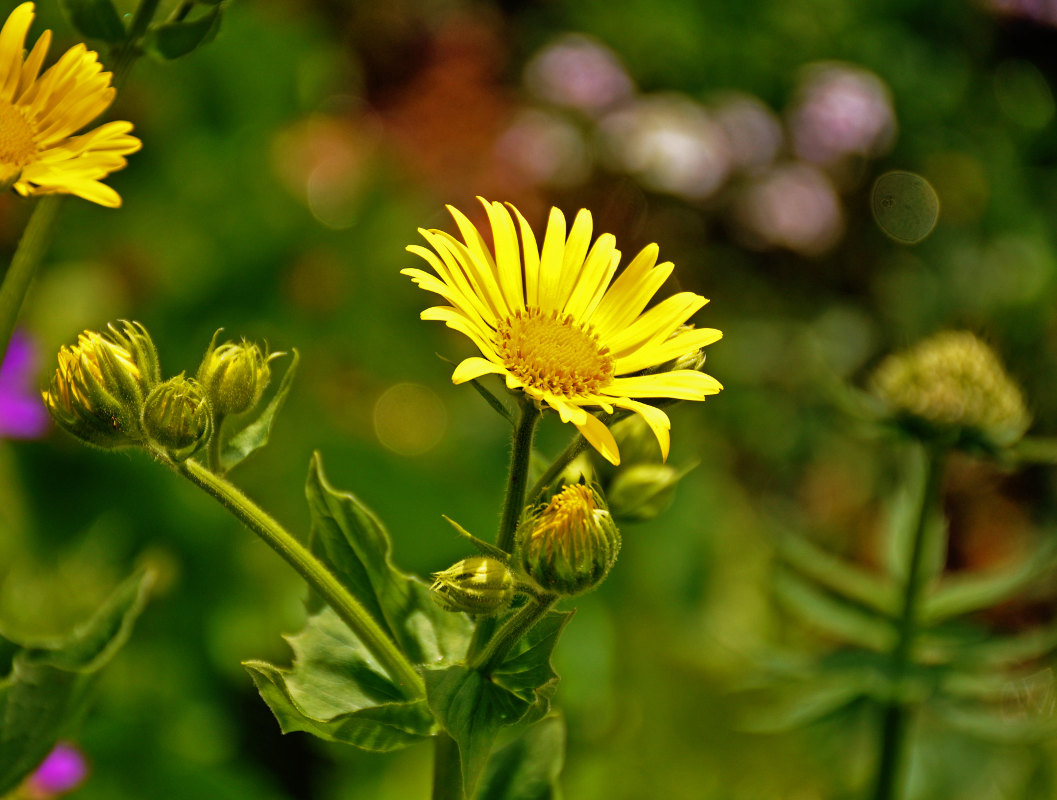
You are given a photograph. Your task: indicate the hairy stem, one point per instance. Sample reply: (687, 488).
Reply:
(896, 711)
(513, 629)
(347, 607)
(24, 264)
(447, 773)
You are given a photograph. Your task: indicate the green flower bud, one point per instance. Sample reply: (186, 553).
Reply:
(98, 390)
(952, 386)
(477, 585)
(234, 376)
(177, 418)
(642, 491)
(569, 545)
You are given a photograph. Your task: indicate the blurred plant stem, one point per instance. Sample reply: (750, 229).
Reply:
(347, 607)
(447, 774)
(510, 634)
(896, 712)
(24, 264)
(125, 55)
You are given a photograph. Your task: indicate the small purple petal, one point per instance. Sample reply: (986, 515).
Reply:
(62, 771)
(22, 412)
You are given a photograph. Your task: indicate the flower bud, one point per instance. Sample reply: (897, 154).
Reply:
(477, 585)
(97, 392)
(176, 417)
(642, 491)
(952, 384)
(568, 545)
(234, 376)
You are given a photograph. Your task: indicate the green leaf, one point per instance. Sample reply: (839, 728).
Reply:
(837, 575)
(174, 39)
(473, 710)
(998, 725)
(338, 692)
(354, 543)
(46, 685)
(95, 19)
(256, 434)
(966, 593)
(527, 768)
(833, 615)
(528, 667)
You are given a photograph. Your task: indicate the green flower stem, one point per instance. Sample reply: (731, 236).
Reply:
(896, 712)
(347, 607)
(447, 774)
(25, 263)
(510, 634)
(213, 448)
(513, 504)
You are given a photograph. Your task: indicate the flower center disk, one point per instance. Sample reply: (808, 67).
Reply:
(553, 354)
(17, 146)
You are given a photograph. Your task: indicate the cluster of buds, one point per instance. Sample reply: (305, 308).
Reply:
(108, 391)
(952, 386)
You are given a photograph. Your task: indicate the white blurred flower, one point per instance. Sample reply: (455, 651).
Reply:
(793, 206)
(841, 110)
(671, 144)
(579, 72)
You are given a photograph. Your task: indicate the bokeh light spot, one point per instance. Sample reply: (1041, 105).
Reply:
(905, 206)
(1023, 94)
(410, 419)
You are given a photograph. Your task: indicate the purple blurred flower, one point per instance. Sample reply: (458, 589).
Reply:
(754, 131)
(841, 110)
(1042, 11)
(546, 149)
(22, 413)
(62, 771)
(793, 206)
(576, 71)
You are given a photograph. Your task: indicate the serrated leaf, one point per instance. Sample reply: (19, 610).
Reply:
(964, 594)
(832, 615)
(174, 39)
(355, 545)
(837, 575)
(95, 19)
(338, 692)
(527, 768)
(255, 435)
(472, 709)
(528, 666)
(45, 685)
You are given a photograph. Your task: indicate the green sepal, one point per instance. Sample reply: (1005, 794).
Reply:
(95, 19)
(174, 39)
(255, 434)
(473, 708)
(350, 539)
(46, 685)
(485, 548)
(337, 691)
(528, 767)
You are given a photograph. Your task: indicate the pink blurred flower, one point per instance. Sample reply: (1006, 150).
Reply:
(793, 206)
(576, 71)
(22, 413)
(62, 771)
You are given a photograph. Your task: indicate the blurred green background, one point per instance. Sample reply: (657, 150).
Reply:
(285, 167)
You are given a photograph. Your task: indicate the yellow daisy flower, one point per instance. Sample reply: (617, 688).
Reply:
(558, 326)
(40, 113)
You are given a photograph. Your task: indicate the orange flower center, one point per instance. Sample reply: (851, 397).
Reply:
(552, 354)
(17, 145)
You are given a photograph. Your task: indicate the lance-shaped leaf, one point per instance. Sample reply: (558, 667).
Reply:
(997, 652)
(95, 19)
(255, 434)
(338, 692)
(997, 725)
(174, 39)
(354, 543)
(527, 768)
(43, 687)
(837, 575)
(966, 593)
(833, 615)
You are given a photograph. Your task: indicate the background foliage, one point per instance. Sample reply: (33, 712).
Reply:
(285, 167)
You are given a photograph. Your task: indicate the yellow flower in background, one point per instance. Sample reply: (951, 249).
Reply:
(556, 324)
(40, 113)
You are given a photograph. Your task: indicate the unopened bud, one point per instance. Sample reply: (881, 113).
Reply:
(642, 491)
(569, 545)
(176, 417)
(234, 375)
(477, 585)
(953, 383)
(98, 390)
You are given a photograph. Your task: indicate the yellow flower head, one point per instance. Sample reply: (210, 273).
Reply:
(40, 113)
(556, 324)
